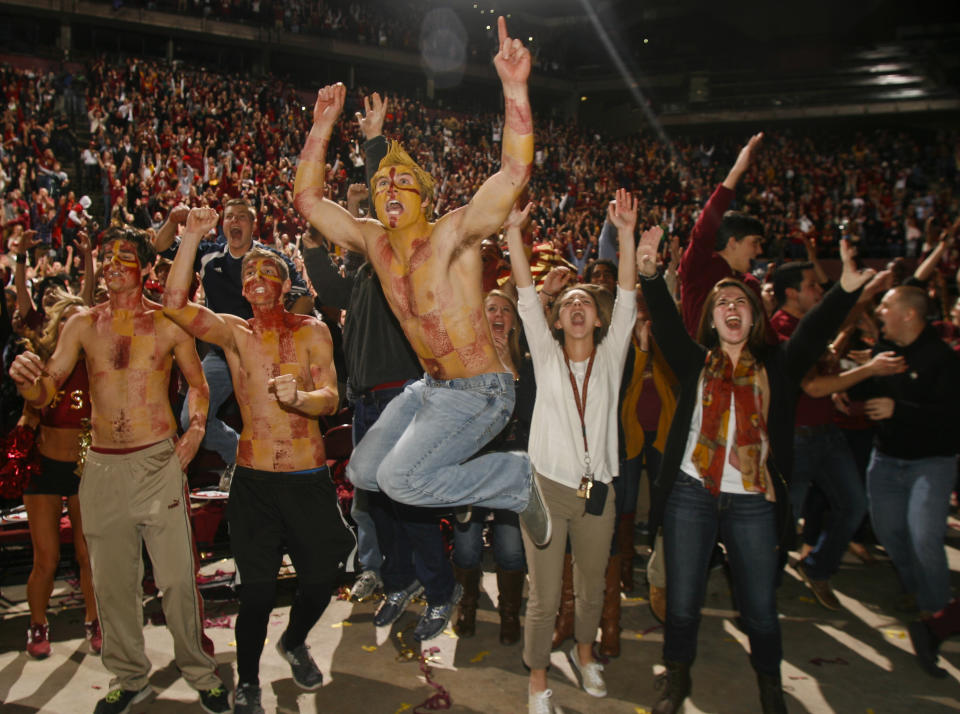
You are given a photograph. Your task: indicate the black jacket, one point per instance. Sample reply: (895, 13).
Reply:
(786, 364)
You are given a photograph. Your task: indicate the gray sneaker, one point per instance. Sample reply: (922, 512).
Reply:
(365, 586)
(535, 517)
(246, 700)
(304, 670)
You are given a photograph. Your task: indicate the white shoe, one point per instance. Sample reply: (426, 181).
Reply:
(365, 586)
(542, 703)
(590, 674)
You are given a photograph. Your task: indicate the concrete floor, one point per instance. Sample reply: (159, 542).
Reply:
(857, 660)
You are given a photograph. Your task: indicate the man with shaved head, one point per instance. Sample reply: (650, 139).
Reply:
(913, 466)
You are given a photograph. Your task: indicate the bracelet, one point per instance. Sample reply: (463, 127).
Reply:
(20, 258)
(552, 296)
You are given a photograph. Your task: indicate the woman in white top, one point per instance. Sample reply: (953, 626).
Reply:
(578, 356)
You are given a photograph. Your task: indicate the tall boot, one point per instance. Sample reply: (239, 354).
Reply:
(610, 617)
(469, 579)
(563, 629)
(625, 546)
(771, 694)
(678, 685)
(510, 585)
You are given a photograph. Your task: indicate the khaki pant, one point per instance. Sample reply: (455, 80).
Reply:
(126, 500)
(590, 538)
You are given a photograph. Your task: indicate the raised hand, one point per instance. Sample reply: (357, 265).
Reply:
(25, 242)
(201, 221)
(622, 211)
(513, 59)
(329, 105)
(852, 279)
(26, 369)
(178, 214)
(743, 161)
(518, 217)
(647, 251)
(371, 121)
(557, 279)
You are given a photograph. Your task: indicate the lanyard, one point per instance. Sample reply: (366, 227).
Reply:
(582, 403)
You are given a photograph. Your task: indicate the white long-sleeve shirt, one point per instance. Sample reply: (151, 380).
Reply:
(556, 440)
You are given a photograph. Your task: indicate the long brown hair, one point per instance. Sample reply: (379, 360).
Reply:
(707, 333)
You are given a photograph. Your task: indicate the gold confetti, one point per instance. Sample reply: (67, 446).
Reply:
(806, 599)
(368, 648)
(896, 634)
(639, 635)
(345, 623)
(634, 599)
(232, 644)
(641, 710)
(480, 656)
(403, 707)
(869, 711)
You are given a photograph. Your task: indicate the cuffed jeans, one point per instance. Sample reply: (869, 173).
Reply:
(748, 526)
(909, 504)
(822, 456)
(418, 452)
(219, 436)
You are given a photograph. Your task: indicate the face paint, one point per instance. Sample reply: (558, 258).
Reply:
(396, 194)
(118, 255)
(260, 283)
(122, 263)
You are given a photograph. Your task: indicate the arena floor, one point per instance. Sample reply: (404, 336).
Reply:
(855, 661)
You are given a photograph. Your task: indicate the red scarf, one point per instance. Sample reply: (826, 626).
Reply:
(720, 380)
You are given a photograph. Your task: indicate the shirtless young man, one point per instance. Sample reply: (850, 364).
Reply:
(133, 484)
(431, 276)
(281, 495)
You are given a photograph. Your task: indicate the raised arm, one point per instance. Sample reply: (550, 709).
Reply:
(89, 285)
(38, 382)
(198, 399)
(20, 249)
(743, 161)
(168, 231)
(331, 219)
(519, 265)
(622, 213)
(491, 205)
(195, 319)
(323, 398)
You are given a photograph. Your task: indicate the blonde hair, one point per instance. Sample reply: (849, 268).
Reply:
(46, 343)
(397, 156)
(513, 339)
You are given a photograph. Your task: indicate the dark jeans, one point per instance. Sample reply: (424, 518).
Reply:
(409, 537)
(822, 456)
(507, 542)
(748, 525)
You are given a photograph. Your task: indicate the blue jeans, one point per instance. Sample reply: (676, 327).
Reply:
(507, 541)
(367, 408)
(823, 457)
(748, 525)
(219, 437)
(909, 504)
(419, 452)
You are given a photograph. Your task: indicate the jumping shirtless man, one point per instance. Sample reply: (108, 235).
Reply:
(281, 495)
(431, 276)
(133, 487)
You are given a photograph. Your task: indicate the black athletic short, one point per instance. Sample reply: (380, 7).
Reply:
(271, 511)
(56, 478)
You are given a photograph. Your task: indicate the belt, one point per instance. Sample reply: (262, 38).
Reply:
(813, 430)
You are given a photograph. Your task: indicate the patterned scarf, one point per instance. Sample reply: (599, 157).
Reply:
(746, 383)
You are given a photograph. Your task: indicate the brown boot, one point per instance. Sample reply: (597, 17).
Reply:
(625, 546)
(563, 629)
(469, 579)
(510, 585)
(610, 618)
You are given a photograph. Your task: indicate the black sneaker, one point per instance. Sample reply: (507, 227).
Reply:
(395, 603)
(246, 699)
(119, 701)
(215, 701)
(435, 618)
(304, 670)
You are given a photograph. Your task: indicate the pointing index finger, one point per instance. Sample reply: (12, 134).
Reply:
(502, 29)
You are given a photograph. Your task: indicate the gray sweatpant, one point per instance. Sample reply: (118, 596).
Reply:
(126, 499)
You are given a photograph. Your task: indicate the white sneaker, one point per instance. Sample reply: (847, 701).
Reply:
(365, 586)
(542, 703)
(590, 674)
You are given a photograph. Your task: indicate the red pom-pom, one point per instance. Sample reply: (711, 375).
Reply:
(22, 461)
